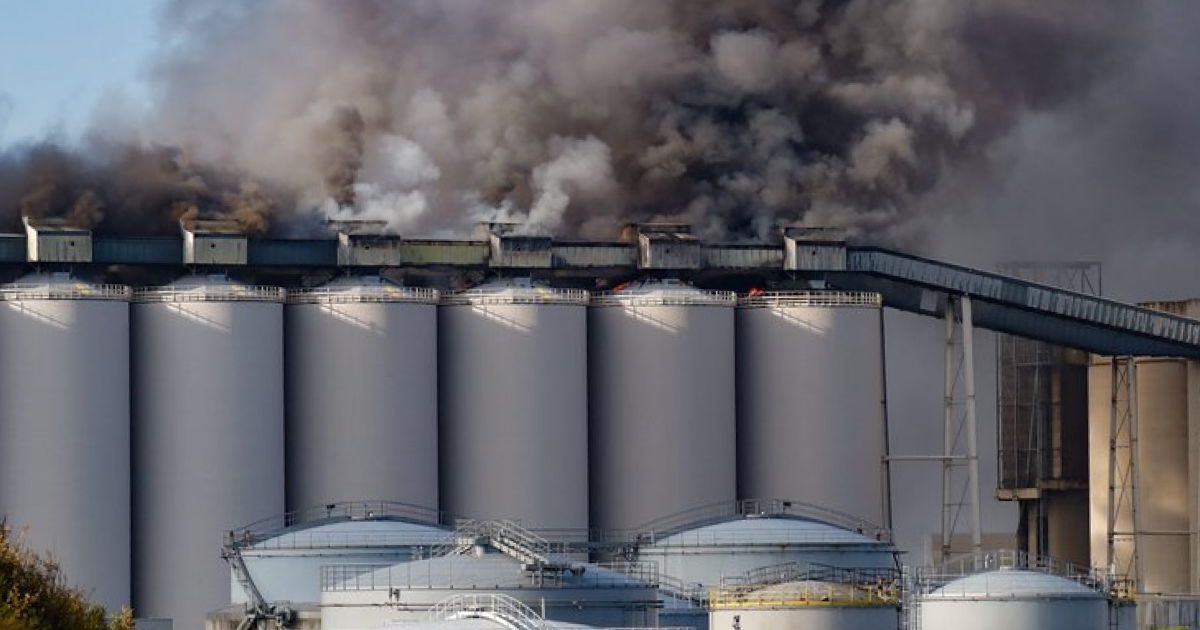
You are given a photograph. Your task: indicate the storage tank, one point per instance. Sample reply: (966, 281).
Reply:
(810, 604)
(662, 402)
(512, 361)
(208, 435)
(719, 547)
(810, 392)
(361, 394)
(64, 427)
(284, 554)
(372, 596)
(1013, 598)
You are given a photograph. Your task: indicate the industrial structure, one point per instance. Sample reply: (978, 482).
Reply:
(557, 405)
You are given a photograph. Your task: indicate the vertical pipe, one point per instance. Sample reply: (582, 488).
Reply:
(948, 430)
(1135, 461)
(1110, 535)
(885, 462)
(968, 334)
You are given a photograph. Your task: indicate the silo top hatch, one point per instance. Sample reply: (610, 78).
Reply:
(208, 289)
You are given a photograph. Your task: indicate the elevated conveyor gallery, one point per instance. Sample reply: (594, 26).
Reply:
(909, 283)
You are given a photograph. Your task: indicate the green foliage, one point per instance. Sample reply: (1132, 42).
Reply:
(34, 594)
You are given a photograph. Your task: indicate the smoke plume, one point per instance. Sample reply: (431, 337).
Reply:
(575, 115)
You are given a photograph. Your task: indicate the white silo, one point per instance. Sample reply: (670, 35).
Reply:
(513, 404)
(661, 401)
(1013, 598)
(208, 435)
(361, 394)
(810, 391)
(64, 427)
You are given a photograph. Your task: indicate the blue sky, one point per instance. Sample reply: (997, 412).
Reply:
(58, 58)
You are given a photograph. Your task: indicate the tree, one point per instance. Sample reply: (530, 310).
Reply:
(34, 594)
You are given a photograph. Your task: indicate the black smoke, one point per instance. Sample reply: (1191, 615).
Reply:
(576, 115)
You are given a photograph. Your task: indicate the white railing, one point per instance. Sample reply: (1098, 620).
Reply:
(383, 294)
(502, 609)
(209, 293)
(826, 299)
(64, 291)
(492, 296)
(666, 297)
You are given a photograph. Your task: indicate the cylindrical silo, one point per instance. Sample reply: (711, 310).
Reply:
(512, 379)
(662, 402)
(207, 436)
(810, 387)
(1013, 598)
(64, 427)
(362, 394)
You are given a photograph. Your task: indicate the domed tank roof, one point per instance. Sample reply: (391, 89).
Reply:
(800, 591)
(479, 623)
(375, 533)
(774, 531)
(1013, 584)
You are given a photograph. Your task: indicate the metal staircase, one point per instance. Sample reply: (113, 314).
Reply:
(258, 611)
(502, 609)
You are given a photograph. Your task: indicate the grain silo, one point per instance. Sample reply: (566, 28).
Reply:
(208, 435)
(513, 404)
(64, 426)
(361, 394)
(662, 402)
(810, 392)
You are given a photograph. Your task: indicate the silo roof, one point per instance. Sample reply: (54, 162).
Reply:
(758, 531)
(1014, 584)
(208, 289)
(478, 623)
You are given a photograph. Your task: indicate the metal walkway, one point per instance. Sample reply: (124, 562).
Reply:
(1018, 307)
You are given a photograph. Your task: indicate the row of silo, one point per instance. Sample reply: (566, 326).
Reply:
(516, 366)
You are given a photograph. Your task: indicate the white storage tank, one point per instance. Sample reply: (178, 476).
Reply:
(374, 596)
(64, 427)
(810, 391)
(361, 394)
(662, 402)
(719, 548)
(284, 555)
(208, 436)
(513, 404)
(1013, 598)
